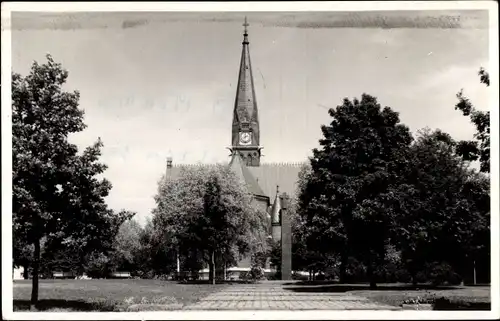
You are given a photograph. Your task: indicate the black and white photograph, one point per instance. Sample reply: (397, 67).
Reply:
(310, 160)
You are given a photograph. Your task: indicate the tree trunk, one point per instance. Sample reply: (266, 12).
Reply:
(414, 279)
(25, 272)
(343, 268)
(474, 271)
(211, 268)
(36, 267)
(371, 276)
(412, 268)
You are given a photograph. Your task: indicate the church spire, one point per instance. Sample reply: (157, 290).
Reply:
(276, 217)
(245, 130)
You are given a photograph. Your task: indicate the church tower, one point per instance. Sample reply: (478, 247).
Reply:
(245, 130)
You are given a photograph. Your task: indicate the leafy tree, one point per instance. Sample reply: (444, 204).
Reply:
(443, 206)
(209, 211)
(261, 255)
(307, 244)
(230, 226)
(56, 192)
(98, 265)
(156, 256)
(345, 201)
(478, 149)
(127, 246)
(63, 258)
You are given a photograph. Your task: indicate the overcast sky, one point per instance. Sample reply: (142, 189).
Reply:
(160, 84)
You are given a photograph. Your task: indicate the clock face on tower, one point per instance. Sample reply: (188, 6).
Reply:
(245, 138)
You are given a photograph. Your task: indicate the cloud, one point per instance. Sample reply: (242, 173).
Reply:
(460, 76)
(467, 19)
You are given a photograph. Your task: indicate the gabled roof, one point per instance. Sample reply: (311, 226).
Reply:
(238, 167)
(267, 176)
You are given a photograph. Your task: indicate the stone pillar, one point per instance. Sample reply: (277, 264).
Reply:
(286, 239)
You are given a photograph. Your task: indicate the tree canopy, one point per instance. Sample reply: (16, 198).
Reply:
(208, 213)
(443, 207)
(479, 148)
(57, 192)
(352, 175)
(374, 195)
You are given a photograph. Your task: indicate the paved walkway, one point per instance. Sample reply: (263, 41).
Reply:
(277, 296)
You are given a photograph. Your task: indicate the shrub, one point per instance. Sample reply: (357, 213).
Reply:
(419, 300)
(256, 273)
(355, 271)
(402, 275)
(97, 266)
(442, 273)
(148, 275)
(162, 277)
(390, 272)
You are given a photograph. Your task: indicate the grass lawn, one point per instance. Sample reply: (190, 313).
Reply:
(110, 295)
(397, 297)
(157, 295)
(397, 294)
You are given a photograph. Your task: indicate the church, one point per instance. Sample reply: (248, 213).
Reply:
(264, 181)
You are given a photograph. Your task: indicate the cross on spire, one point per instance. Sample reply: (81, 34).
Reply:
(245, 33)
(246, 24)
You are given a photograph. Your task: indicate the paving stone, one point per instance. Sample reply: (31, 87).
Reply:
(274, 296)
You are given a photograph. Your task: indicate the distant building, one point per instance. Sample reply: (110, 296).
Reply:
(64, 275)
(262, 180)
(18, 274)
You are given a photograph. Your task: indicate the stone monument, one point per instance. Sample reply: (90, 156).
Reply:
(286, 239)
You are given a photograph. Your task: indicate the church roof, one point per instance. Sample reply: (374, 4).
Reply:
(267, 176)
(238, 167)
(285, 175)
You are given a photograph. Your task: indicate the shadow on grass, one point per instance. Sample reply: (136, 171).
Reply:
(72, 305)
(335, 287)
(447, 304)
